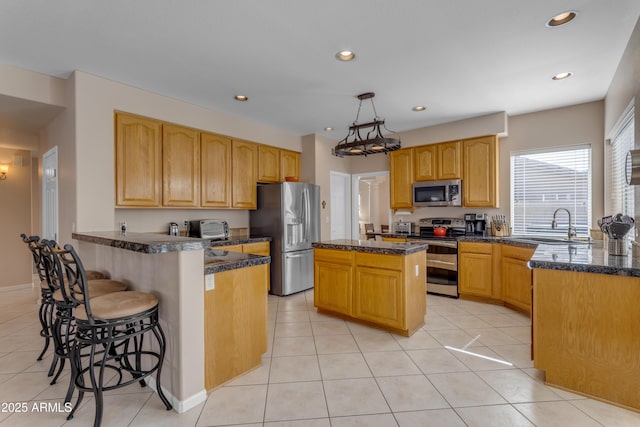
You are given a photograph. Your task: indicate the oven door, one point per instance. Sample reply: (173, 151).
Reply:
(442, 268)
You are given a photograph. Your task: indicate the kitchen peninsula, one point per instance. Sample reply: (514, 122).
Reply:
(380, 284)
(586, 321)
(174, 269)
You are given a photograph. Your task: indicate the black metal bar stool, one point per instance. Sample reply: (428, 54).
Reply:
(63, 328)
(46, 311)
(111, 333)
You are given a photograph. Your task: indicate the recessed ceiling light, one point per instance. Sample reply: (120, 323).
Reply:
(562, 18)
(241, 98)
(562, 76)
(345, 55)
(328, 129)
(419, 108)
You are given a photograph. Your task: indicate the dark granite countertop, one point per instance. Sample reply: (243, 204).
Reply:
(216, 260)
(587, 258)
(239, 240)
(374, 246)
(150, 243)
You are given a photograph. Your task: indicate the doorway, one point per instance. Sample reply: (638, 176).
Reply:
(372, 204)
(50, 194)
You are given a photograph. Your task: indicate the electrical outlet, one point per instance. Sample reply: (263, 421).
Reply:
(123, 226)
(186, 224)
(209, 282)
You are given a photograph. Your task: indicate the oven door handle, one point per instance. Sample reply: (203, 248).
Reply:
(438, 263)
(442, 243)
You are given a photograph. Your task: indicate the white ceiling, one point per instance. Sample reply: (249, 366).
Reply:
(459, 58)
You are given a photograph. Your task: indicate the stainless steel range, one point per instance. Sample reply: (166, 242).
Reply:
(442, 254)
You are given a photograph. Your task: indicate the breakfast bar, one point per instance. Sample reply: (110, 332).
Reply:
(189, 278)
(379, 284)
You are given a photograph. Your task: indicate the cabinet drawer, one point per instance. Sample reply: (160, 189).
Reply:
(333, 256)
(475, 247)
(390, 262)
(517, 252)
(258, 248)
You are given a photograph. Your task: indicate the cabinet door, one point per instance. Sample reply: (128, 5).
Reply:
(244, 170)
(449, 160)
(258, 248)
(480, 182)
(333, 286)
(401, 178)
(138, 161)
(215, 171)
(379, 296)
(268, 164)
(516, 283)
(516, 276)
(426, 167)
(475, 269)
(289, 164)
(235, 324)
(180, 166)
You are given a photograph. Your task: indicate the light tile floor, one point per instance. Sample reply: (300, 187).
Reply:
(321, 371)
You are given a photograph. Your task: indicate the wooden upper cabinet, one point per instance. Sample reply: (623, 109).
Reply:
(180, 166)
(244, 159)
(138, 161)
(481, 162)
(438, 161)
(289, 164)
(401, 178)
(215, 171)
(450, 160)
(268, 164)
(425, 159)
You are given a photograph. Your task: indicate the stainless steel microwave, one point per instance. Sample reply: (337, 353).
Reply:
(438, 193)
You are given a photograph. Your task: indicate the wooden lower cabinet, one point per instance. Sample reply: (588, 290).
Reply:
(378, 295)
(517, 277)
(334, 270)
(585, 333)
(257, 248)
(235, 324)
(385, 291)
(475, 269)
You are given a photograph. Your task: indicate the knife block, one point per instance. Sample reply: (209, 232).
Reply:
(502, 230)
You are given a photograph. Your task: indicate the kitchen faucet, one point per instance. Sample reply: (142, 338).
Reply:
(571, 231)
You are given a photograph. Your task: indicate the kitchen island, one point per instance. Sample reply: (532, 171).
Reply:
(178, 271)
(380, 284)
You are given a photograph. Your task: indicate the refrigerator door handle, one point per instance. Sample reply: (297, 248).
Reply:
(307, 214)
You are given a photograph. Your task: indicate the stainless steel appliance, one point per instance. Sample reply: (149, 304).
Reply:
(403, 227)
(289, 213)
(438, 193)
(442, 254)
(173, 229)
(475, 223)
(216, 229)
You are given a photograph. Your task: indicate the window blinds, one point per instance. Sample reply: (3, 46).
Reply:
(620, 194)
(545, 180)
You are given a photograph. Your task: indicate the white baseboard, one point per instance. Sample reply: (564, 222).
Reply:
(179, 406)
(16, 287)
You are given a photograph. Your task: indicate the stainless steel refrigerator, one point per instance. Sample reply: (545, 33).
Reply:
(289, 213)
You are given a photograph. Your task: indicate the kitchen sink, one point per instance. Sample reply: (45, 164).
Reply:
(548, 240)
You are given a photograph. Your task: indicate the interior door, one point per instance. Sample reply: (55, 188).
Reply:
(50, 194)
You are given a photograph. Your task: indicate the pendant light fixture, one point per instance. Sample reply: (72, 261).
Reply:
(355, 144)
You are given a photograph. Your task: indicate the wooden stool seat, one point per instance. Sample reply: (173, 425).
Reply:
(95, 275)
(118, 305)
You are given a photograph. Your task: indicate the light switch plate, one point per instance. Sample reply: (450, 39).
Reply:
(209, 283)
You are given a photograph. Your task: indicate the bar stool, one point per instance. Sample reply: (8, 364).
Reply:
(63, 328)
(46, 311)
(110, 334)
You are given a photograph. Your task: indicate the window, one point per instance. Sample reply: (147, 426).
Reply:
(545, 180)
(619, 193)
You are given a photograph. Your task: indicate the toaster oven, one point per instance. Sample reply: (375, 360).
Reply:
(216, 229)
